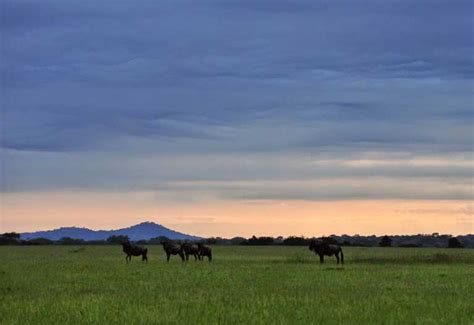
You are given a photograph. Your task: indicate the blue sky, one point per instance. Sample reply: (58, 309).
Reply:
(239, 100)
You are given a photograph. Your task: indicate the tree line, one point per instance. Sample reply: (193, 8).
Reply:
(421, 240)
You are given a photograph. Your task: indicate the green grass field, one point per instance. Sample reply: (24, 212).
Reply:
(283, 285)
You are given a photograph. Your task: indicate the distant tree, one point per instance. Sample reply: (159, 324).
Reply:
(260, 240)
(238, 241)
(251, 241)
(6, 240)
(385, 241)
(117, 239)
(346, 243)
(211, 241)
(158, 240)
(70, 241)
(39, 241)
(453, 242)
(279, 240)
(296, 241)
(11, 235)
(330, 240)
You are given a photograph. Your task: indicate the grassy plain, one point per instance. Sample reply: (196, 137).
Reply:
(243, 285)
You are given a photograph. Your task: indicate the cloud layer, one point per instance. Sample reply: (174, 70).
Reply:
(243, 100)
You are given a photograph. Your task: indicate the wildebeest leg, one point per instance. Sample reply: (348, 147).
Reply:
(126, 259)
(167, 257)
(337, 257)
(144, 258)
(321, 258)
(210, 257)
(182, 256)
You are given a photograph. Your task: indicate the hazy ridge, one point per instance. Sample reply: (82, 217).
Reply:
(144, 230)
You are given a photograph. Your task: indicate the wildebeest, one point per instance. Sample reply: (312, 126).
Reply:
(322, 248)
(204, 251)
(190, 249)
(135, 250)
(172, 249)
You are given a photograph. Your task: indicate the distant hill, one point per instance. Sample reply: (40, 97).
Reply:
(145, 230)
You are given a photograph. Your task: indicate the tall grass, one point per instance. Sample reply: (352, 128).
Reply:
(93, 285)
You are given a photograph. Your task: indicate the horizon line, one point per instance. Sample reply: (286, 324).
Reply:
(178, 231)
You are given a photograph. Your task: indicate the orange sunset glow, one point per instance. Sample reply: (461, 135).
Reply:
(102, 211)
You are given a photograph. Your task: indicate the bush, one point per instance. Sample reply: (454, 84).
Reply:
(117, 239)
(40, 241)
(158, 240)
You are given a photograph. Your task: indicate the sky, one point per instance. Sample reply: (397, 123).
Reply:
(226, 118)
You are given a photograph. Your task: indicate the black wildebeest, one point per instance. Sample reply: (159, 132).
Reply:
(190, 249)
(322, 248)
(135, 250)
(172, 249)
(204, 251)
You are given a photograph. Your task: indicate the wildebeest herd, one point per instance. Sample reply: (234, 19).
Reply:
(184, 250)
(199, 251)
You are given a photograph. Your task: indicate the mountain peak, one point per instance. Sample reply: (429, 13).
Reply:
(146, 223)
(144, 230)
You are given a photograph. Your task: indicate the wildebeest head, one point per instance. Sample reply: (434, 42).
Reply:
(199, 246)
(126, 246)
(312, 244)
